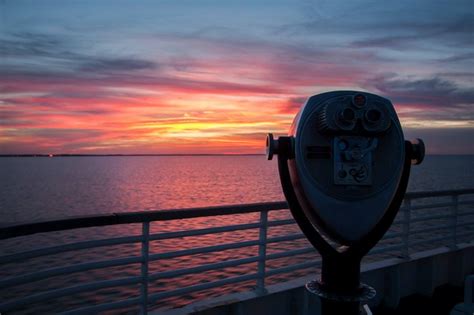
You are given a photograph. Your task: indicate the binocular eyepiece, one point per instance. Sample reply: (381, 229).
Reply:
(353, 115)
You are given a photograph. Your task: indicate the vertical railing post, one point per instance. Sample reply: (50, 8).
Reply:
(454, 222)
(406, 227)
(144, 267)
(262, 252)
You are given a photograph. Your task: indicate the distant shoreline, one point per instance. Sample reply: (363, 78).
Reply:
(176, 154)
(95, 155)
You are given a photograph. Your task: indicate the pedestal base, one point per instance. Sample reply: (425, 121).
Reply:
(337, 303)
(364, 293)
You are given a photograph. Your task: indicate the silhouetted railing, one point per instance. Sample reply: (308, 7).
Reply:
(460, 225)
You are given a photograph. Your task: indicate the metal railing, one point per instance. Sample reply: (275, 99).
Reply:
(411, 222)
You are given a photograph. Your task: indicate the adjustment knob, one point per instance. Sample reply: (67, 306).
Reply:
(271, 146)
(283, 145)
(417, 151)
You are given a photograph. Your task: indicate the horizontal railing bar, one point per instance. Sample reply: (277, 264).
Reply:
(440, 205)
(384, 249)
(466, 202)
(35, 276)
(103, 307)
(52, 294)
(431, 240)
(219, 229)
(464, 234)
(284, 238)
(68, 247)
(308, 264)
(433, 206)
(202, 268)
(396, 222)
(28, 228)
(463, 213)
(470, 223)
(123, 240)
(197, 232)
(392, 235)
(202, 250)
(232, 263)
(292, 252)
(208, 249)
(438, 193)
(431, 229)
(281, 222)
(202, 286)
(430, 217)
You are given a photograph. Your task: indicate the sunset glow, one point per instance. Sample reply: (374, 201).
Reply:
(208, 77)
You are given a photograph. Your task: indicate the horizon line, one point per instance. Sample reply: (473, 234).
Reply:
(127, 154)
(167, 154)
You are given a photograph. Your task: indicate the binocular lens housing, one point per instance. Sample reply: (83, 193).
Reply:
(373, 116)
(347, 115)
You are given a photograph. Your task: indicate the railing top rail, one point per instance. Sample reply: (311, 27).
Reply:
(439, 193)
(28, 228)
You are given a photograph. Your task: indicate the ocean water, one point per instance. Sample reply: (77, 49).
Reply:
(44, 188)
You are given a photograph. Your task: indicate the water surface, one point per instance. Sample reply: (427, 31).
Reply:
(41, 188)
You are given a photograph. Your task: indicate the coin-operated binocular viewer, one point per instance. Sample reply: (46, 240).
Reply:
(344, 169)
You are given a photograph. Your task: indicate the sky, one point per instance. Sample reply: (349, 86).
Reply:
(167, 77)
